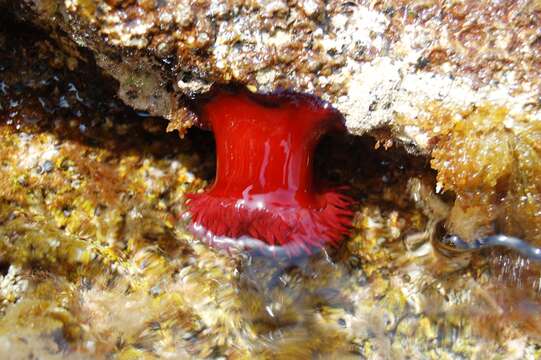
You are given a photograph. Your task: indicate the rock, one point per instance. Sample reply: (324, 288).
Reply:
(373, 61)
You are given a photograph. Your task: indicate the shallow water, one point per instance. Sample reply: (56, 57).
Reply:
(97, 262)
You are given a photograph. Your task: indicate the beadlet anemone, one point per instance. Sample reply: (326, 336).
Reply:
(264, 193)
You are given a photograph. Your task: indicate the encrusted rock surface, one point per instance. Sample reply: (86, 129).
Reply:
(371, 59)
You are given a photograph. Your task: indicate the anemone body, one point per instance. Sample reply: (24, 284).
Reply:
(264, 187)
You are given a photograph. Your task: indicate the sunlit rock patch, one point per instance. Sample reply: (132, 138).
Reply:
(372, 59)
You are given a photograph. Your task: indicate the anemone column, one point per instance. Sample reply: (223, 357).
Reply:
(264, 186)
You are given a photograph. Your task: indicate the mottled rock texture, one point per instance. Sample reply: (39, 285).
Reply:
(371, 59)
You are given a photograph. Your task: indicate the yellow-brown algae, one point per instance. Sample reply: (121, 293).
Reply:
(490, 159)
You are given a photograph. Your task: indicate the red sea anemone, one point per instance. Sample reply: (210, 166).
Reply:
(264, 187)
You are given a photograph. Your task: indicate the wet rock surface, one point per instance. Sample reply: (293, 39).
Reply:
(371, 59)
